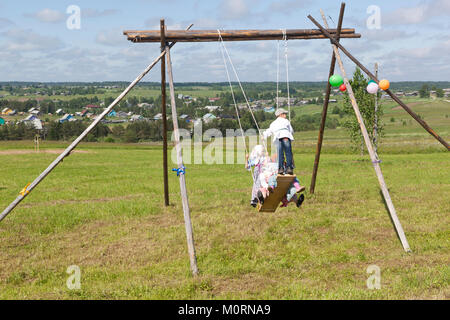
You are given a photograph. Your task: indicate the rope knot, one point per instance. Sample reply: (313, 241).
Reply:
(376, 161)
(180, 171)
(25, 190)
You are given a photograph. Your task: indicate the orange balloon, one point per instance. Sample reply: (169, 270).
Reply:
(384, 84)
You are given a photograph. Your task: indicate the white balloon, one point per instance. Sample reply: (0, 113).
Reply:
(372, 88)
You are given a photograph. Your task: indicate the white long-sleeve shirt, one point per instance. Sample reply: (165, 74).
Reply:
(280, 128)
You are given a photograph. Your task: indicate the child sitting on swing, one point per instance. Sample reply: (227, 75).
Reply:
(264, 174)
(256, 160)
(282, 133)
(265, 179)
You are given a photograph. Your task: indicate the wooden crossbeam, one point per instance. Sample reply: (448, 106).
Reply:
(233, 35)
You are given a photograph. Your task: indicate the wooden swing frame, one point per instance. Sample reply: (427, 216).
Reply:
(163, 36)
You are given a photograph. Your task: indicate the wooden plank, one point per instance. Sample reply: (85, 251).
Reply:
(183, 190)
(272, 202)
(373, 156)
(232, 35)
(139, 39)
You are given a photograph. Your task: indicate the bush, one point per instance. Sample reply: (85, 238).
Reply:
(91, 138)
(336, 110)
(331, 123)
(312, 122)
(144, 130)
(118, 131)
(17, 131)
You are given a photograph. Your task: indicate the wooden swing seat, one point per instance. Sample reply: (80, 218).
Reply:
(273, 199)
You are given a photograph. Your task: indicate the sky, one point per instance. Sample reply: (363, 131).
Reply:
(411, 41)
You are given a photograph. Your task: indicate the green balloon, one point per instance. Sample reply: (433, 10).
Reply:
(336, 80)
(370, 81)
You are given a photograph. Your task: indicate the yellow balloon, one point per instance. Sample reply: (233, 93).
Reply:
(384, 84)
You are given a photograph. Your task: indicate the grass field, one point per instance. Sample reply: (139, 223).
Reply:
(102, 210)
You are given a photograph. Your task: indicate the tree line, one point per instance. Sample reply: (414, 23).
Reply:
(148, 130)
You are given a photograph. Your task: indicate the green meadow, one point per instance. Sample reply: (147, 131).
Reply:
(102, 210)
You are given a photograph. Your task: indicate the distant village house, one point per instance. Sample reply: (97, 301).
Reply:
(67, 117)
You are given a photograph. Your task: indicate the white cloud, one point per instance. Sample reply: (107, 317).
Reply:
(113, 37)
(233, 9)
(154, 24)
(407, 15)
(48, 16)
(417, 63)
(135, 51)
(4, 23)
(438, 8)
(54, 16)
(27, 40)
(94, 13)
(288, 7)
(205, 23)
(419, 14)
(386, 35)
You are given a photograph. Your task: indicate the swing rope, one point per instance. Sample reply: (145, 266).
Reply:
(242, 89)
(247, 151)
(287, 71)
(232, 94)
(278, 71)
(286, 62)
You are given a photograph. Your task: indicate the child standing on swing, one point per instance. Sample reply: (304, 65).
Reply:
(282, 133)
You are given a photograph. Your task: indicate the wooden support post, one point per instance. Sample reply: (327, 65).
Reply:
(389, 92)
(164, 115)
(183, 190)
(36, 142)
(325, 107)
(375, 122)
(373, 156)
